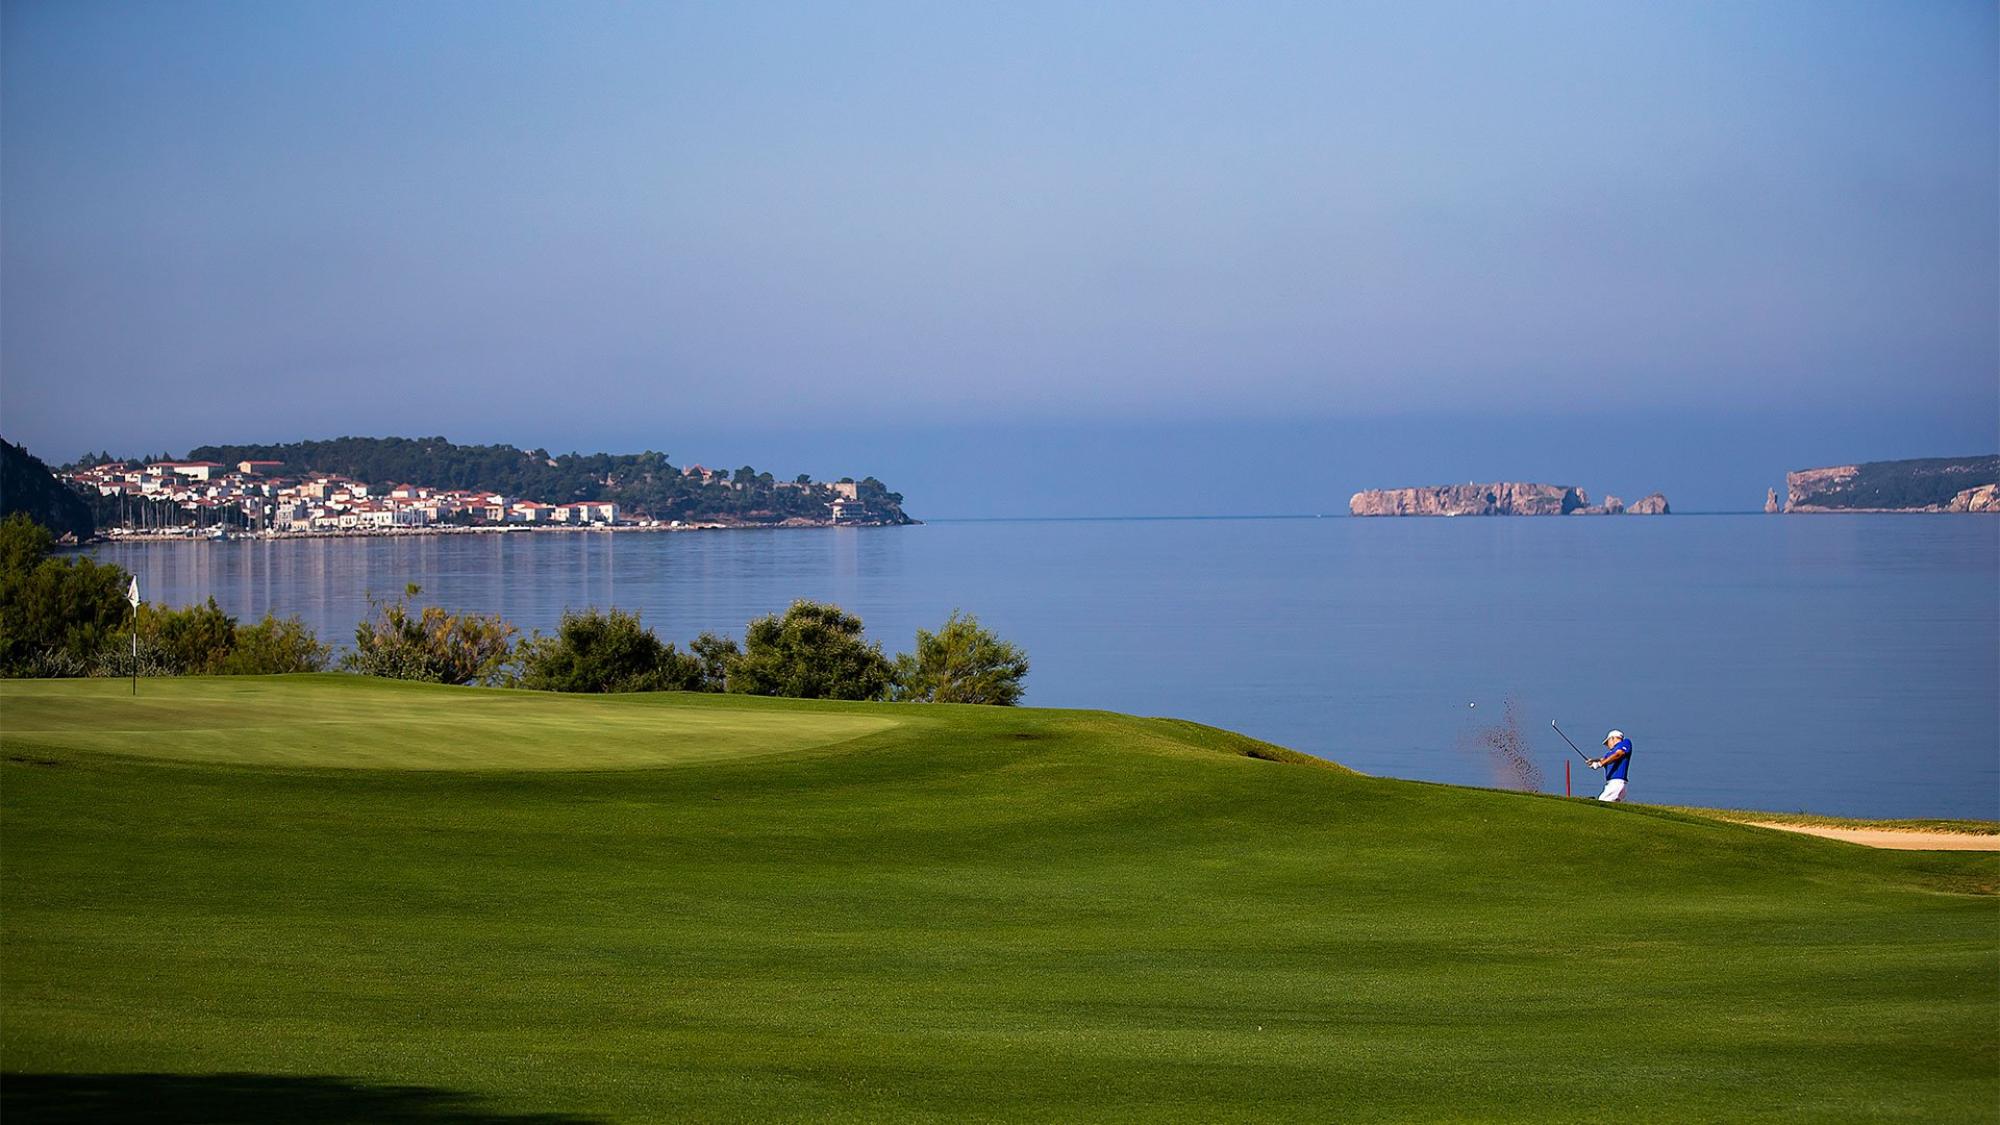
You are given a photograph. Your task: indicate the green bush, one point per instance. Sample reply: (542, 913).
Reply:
(430, 644)
(605, 652)
(716, 656)
(193, 640)
(274, 646)
(56, 614)
(814, 651)
(202, 640)
(960, 663)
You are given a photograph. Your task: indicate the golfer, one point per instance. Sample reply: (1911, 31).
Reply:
(1614, 765)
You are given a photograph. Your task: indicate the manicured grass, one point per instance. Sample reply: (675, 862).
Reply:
(352, 722)
(962, 914)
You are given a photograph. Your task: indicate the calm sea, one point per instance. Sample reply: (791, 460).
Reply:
(1838, 664)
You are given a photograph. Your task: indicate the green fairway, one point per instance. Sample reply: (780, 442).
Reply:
(350, 722)
(877, 912)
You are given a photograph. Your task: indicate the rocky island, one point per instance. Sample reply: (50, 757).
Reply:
(1931, 484)
(1502, 498)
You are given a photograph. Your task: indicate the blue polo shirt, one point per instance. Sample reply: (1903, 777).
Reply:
(1616, 770)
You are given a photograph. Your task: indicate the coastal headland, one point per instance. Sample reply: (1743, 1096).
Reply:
(401, 486)
(1930, 484)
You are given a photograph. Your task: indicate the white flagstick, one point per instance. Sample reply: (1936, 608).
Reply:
(132, 596)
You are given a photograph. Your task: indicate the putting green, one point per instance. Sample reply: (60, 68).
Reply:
(353, 722)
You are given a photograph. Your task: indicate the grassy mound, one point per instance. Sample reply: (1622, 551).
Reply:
(947, 913)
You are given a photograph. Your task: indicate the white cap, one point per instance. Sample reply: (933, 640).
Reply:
(1614, 736)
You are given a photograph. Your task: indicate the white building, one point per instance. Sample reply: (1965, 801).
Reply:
(195, 470)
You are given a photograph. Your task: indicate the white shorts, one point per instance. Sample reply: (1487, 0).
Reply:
(1614, 790)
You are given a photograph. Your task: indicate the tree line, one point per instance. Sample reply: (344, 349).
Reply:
(68, 616)
(27, 486)
(644, 484)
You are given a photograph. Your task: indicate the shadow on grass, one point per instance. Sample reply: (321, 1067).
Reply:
(238, 1099)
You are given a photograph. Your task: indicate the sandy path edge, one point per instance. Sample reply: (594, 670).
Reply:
(1896, 838)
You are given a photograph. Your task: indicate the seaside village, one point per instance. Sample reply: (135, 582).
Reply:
(259, 496)
(269, 500)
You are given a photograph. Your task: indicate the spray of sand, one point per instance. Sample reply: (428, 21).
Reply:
(1506, 752)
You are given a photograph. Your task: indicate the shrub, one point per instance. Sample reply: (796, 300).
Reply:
(56, 614)
(961, 663)
(716, 656)
(53, 664)
(192, 640)
(118, 659)
(431, 644)
(274, 646)
(202, 640)
(814, 651)
(605, 652)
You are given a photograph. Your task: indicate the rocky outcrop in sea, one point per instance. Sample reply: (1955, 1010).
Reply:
(1985, 498)
(1654, 505)
(1501, 498)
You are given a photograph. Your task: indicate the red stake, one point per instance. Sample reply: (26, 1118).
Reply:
(1565, 777)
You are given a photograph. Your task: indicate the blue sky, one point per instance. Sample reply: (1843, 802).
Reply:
(1017, 258)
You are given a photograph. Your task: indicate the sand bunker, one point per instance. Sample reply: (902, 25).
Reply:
(1900, 839)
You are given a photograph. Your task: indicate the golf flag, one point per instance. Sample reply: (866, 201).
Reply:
(132, 595)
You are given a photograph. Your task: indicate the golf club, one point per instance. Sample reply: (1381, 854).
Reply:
(1565, 738)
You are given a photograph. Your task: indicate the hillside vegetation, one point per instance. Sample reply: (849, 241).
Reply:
(1923, 483)
(27, 487)
(641, 483)
(335, 898)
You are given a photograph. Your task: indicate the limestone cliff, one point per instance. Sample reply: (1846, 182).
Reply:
(1654, 505)
(1806, 485)
(1502, 498)
(1934, 484)
(1612, 506)
(1985, 498)
(1771, 502)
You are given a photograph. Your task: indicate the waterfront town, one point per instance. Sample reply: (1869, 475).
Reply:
(261, 497)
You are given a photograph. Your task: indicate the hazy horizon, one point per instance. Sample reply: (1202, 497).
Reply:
(1128, 259)
(1300, 467)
